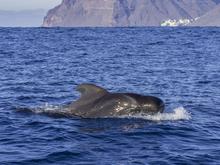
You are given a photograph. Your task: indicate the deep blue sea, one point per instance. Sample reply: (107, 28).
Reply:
(41, 67)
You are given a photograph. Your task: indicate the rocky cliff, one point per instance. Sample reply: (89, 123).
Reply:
(114, 13)
(211, 18)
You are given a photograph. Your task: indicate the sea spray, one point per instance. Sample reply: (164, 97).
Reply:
(179, 113)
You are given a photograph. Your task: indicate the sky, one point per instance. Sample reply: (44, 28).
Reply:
(27, 4)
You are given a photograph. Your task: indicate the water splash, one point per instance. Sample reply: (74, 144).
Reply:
(179, 113)
(47, 109)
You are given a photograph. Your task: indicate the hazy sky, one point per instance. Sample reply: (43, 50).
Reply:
(27, 4)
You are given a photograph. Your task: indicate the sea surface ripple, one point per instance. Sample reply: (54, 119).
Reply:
(41, 67)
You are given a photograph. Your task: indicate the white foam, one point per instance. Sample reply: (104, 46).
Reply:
(47, 108)
(179, 113)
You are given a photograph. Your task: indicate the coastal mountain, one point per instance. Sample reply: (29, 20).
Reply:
(211, 18)
(123, 13)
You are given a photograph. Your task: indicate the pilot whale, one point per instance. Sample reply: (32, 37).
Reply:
(96, 102)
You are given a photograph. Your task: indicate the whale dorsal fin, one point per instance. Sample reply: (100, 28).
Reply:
(90, 90)
(89, 93)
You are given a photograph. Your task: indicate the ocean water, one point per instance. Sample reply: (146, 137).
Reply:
(41, 67)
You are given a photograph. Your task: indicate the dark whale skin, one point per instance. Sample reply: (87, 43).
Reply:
(96, 102)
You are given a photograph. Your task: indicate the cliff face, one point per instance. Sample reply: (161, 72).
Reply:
(113, 13)
(211, 18)
(81, 13)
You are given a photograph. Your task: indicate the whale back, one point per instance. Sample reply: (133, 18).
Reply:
(148, 104)
(96, 101)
